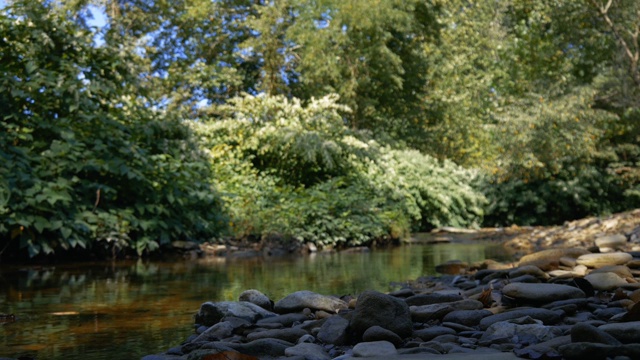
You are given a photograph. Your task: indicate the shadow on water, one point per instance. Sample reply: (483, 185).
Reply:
(126, 310)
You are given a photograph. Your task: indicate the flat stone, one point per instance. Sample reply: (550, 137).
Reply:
(600, 260)
(260, 347)
(490, 354)
(528, 270)
(211, 313)
(308, 351)
(551, 255)
(545, 349)
(289, 334)
(541, 293)
(286, 320)
(426, 313)
(548, 317)
(466, 304)
(508, 332)
(374, 348)
(595, 351)
(431, 333)
(605, 281)
(434, 298)
(217, 332)
(621, 270)
(628, 332)
(300, 300)
(467, 317)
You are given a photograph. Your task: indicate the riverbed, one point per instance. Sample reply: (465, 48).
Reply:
(127, 309)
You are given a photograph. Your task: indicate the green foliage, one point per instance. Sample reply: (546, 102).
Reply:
(82, 160)
(297, 171)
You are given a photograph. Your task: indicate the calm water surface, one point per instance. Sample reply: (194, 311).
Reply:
(126, 310)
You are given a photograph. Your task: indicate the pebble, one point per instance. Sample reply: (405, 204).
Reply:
(557, 304)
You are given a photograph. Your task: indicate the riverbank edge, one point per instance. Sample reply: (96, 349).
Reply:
(576, 295)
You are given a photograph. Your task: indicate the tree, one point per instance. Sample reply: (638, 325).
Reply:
(85, 163)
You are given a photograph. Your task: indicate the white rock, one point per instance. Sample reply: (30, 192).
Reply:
(605, 281)
(600, 260)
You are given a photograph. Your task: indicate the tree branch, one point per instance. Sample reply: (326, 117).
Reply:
(631, 55)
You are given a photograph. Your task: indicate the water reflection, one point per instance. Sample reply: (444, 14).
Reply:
(126, 310)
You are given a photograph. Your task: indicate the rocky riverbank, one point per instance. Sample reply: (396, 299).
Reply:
(579, 299)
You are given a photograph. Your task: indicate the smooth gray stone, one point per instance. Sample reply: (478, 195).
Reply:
(528, 270)
(548, 317)
(375, 348)
(378, 333)
(258, 298)
(211, 313)
(510, 333)
(434, 298)
(457, 327)
(578, 302)
(467, 304)
(595, 351)
(418, 350)
(286, 320)
(608, 313)
(300, 300)
(587, 333)
(430, 333)
(260, 347)
(426, 313)
(374, 308)
(627, 333)
(308, 351)
(334, 330)
(288, 334)
(217, 332)
(541, 293)
(148, 357)
(476, 355)
(466, 317)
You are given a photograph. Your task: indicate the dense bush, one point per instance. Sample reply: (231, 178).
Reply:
(294, 170)
(559, 164)
(83, 163)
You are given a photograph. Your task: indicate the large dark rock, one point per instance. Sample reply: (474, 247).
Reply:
(374, 308)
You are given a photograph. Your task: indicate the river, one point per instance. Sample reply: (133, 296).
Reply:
(127, 309)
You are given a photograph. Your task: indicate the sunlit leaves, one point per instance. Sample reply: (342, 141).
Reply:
(82, 153)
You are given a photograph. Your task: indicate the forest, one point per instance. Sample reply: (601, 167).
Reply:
(333, 122)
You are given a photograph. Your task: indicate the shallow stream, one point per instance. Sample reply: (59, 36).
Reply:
(125, 310)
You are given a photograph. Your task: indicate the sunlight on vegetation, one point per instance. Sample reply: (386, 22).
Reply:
(332, 122)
